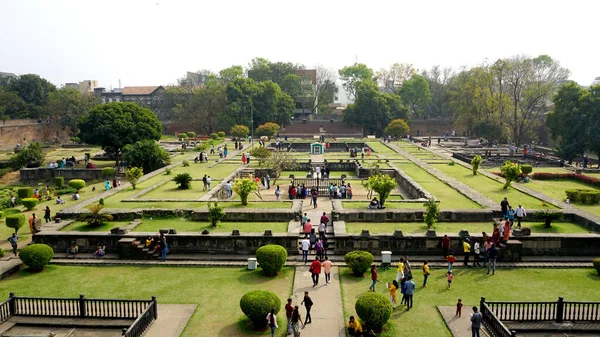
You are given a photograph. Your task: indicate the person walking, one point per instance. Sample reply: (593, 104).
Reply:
(467, 251)
(449, 277)
(13, 239)
(208, 181)
(306, 226)
(308, 303)
(268, 179)
(324, 219)
(289, 311)
(476, 318)
(400, 273)
(204, 184)
(315, 269)
(305, 248)
(450, 259)
(322, 230)
(486, 247)
(164, 248)
(520, 213)
(476, 252)
(319, 249)
(492, 255)
(425, 274)
(504, 207)
(327, 270)
(272, 322)
(446, 245)
(314, 195)
(296, 322)
(47, 214)
(374, 278)
(393, 287)
(409, 292)
(277, 193)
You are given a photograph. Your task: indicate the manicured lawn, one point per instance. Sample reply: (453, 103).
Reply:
(474, 228)
(556, 189)
(449, 197)
(393, 205)
(84, 227)
(183, 225)
(217, 291)
(470, 285)
(170, 191)
(490, 188)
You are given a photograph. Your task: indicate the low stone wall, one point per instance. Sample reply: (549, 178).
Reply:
(32, 175)
(389, 215)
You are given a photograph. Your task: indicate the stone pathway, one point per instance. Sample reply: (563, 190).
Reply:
(172, 319)
(327, 314)
(459, 326)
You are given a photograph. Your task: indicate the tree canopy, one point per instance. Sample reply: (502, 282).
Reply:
(415, 94)
(147, 154)
(352, 76)
(397, 128)
(67, 105)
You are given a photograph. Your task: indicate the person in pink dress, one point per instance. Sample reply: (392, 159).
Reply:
(327, 270)
(307, 226)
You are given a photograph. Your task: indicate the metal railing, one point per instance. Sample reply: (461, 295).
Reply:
(142, 323)
(492, 323)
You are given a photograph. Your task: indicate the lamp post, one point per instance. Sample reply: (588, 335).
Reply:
(251, 123)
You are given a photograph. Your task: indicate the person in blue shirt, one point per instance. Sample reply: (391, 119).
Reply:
(13, 242)
(511, 215)
(410, 290)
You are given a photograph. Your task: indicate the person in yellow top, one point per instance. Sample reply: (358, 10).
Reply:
(467, 250)
(425, 274)
(354, 327)
(392, 287)
(400, 274)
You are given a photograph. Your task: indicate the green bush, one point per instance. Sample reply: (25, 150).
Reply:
(77, 184)
(243, 187)
(596, 263)
(185, 163)
(36, 256)
(475, 163)
(215, 214)
(183, 180)
(271, 258)
(583, 196)
(221, 134)
(167, 171)
(15, 221)
(256, 304)
(59, 182)
(25, 192)
(359, 261)
(2, 252)
(432, 212)
(108, 172)
(66, 190)
(526, 169)
(30, 203)
(182, 136)
(373, 308)
(191, 134)
(214, 136)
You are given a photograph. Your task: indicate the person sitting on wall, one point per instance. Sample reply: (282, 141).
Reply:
(100, 250)
(374, 204)
(75, 196)
(73, 250)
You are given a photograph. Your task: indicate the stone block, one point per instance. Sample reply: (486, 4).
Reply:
(172, 231)
(398, 233)
(526, 231)
(431, 232)
(204, 232)
(163, 231)
(268, 232)
(365, 233)
(57, 220)
(235, 232)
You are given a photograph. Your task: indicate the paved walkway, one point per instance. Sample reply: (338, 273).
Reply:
(172, 319)
(459, 326)
(327, 314)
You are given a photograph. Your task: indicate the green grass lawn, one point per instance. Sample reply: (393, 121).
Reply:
(183, 225)
(556, 189)
(207, 287)
(363, 204)
(449, 197)
(455, 227)
(490, 188)
(470, 285)
(84, 227)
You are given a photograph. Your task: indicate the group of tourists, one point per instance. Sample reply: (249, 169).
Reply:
(340, 192)
(158, 244)
(311, 242)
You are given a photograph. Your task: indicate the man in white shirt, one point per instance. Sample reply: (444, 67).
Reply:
(305, 248)
(476, 252)
(208, 181)
(228, 189)
(520, 215)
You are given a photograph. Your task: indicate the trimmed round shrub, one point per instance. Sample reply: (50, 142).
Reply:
(191, 134)
(526, 169)
(182, 135)
(108, 172)
(2, 252)
(214, 136)
(359, 261)
(77, 184)
(596, 263)
(29, 203)
(36, 256)
(375, 309)
(59, 182)
(15, 221)
(271, 259)
(25, 192)
(256, 304)
(221, 134)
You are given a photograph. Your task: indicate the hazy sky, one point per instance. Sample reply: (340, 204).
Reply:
(153, 42)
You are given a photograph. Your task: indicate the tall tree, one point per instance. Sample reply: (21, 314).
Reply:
(440, 80)
(204, 106)
(67, 105)
(392, 79)
(352, 76)
(114, 125)
(12, 106)
(593, 116)
(325, 90)
(31, 88)
(231, 74)
(415, 94)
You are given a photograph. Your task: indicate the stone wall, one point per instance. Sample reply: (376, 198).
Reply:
(13, 134)
(390, 215)
(434, 127)
(32, 175)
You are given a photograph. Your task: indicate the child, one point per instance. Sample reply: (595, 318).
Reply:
(392, 287)
(449, 275)
(459, 306)
(425, 274)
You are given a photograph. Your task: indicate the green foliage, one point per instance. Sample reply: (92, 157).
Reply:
(109, 172)
(30, 203)
(415, 93)
(375, 309)
(239, 131)
(397, 128)
(256, 304)
(185, 163)
(5, 170)
(77, 184)
(215, 214)
(243, 187)
(526, 169)
(352, 76)
(167, 171)
(548, 215)
(491, 130)
(182, 135)
(475, 162)
(101, 201)
(36, 256)
(262, 153)
(25, 192)
(221, 134)
(432, 212)
(271, 258)
(114, 125)
(32, 88)
(383, 184)
(583, 196)
(359, 261)
(95, 218)
(191, 134)
(30, 156)
(15, 221)
(2, 252)
(183, 180)
(596, 263)
(147, 154)
(59, 182)
(268, 129)
(511, 172)
(133, 174)
(569, 105)
(214, 136)
(68, 105)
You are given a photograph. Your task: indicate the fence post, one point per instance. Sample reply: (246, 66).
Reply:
(481, 302)
(513, 333)
(560, 309)
(123, 331)
(155, 307)
(81, 306)
(11, 304)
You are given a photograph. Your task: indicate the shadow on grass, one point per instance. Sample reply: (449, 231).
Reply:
(593, 275)
(257, 276)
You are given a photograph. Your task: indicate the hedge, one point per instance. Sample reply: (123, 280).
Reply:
(25, 192)
(567, 176)
(214, 136)
(59, 182)
(77, 184)
(221, 134)
(256, 304)
(596, 263)
(526, 169)
(108, 172)
(271, 258)
(375, 309)
(583, 196)
(15, 221)
(36, 256)
(359, 261)
(29, 203)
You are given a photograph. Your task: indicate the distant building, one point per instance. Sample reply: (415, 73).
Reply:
(147, 96)
(596, 80)
(2, 74)
(84, 86)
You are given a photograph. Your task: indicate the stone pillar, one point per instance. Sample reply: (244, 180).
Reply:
(512, 251)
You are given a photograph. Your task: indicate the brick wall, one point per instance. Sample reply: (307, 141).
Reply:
(13, 134)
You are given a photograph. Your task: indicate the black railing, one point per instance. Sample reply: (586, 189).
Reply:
(322, 185)
(142, 323)
(5, 310)
(524, 311)
(581, 311)
(492, 323)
